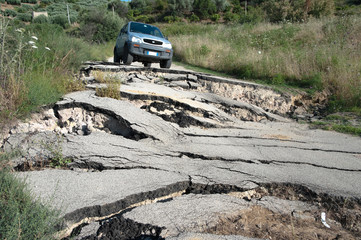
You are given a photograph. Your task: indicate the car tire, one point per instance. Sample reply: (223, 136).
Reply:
(147, 64)
(166, 63)
(116, 57)
(127, 57)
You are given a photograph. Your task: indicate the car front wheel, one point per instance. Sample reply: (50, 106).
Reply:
(127, 57)
(166, 63)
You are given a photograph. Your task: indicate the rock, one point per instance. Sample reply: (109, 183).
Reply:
(192, 77)
(175, 77)
(188, 213)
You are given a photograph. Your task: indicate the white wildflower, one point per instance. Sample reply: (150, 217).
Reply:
(47, 48)
(259, 52)
(34, 37)
(34, 46)
(31, 42)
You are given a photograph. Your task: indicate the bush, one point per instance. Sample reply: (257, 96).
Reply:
(99, 25)
(222, 5)
(145, 19)
(321, 8)
(180, 7)
(25, 17)
(119, 7)
(194, 18)
(231, 17)
(204, 8)
(285, 10)
(21, 216)
(9, 12)
(61, 20)
(172, 19)
(45, 2)
(29, 1)
(41, 19)
(28, 7)
(14, 2)
(215, 17)
(254, 15)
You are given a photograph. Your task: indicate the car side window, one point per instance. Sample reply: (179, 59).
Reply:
(124, 29)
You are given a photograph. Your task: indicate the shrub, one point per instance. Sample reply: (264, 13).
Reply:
(194, 18)
(14, 2)
(61, 20)
(204, 8)
(172, 19)
(180, 7)
(23, 216)
(254, 15)
(9, 12)
(45, 2)
(28, 7)
(119, 7)
(222, 5)
(321, 8)
(284, 10)
(161, 5)
(99, 25)
(215, 17)
(231, 17)
(41, 19)
(25, 17)
(29, 1)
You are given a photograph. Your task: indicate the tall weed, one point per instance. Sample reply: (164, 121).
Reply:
(37, 64)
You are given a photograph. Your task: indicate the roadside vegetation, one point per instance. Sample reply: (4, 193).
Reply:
(322, 54)
(22, 217)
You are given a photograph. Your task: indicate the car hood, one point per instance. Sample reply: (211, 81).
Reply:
(141, 35)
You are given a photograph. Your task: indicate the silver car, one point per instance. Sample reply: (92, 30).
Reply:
(143, 43)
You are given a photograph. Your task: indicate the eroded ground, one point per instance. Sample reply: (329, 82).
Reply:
(184, 155)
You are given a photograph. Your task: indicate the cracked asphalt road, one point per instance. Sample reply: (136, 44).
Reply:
(143, 153)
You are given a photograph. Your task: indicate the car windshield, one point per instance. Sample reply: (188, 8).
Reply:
(145, 29)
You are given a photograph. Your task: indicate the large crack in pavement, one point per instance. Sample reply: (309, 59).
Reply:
(186, 155)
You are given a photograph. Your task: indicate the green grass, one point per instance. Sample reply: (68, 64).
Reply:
(39, 73)
(22, 216)
(342, 128)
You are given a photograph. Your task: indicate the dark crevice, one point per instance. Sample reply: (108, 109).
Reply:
(258, 161)
(241, 137)
(198, 156)
(310, 164)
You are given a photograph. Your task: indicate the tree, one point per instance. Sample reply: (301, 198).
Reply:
(119, 7)
(204, 8)
(179, 7)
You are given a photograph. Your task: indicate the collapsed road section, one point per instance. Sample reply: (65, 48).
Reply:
(152, 153)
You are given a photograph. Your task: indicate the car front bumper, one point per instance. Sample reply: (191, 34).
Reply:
(149, 53)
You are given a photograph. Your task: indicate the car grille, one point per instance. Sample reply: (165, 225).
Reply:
(151, 41)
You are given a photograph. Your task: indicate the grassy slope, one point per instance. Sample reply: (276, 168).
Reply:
(319, 54)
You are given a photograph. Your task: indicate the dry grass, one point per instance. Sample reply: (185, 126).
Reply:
(318, 53)
(112, 81)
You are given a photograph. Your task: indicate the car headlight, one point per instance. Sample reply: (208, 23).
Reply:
(136, 40)
(167, 45)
